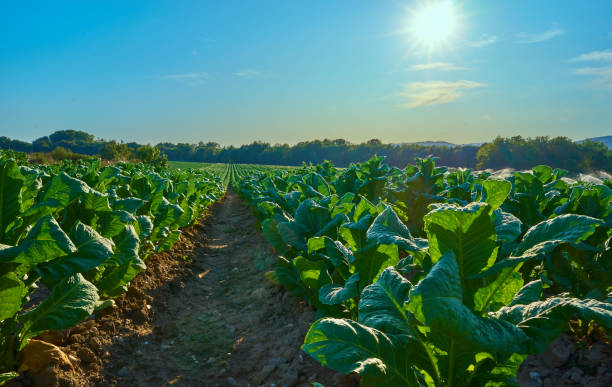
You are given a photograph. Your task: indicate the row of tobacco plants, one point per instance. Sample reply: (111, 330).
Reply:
(84, 232)
(430, 277)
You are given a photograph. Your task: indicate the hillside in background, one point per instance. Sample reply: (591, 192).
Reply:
(515, 152)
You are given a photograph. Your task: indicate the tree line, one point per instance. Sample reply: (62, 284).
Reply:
(515, 152)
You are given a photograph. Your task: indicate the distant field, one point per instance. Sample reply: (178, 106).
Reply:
(188, 164)
(195, 164)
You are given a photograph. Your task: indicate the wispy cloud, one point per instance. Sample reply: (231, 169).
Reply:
(485, 40)
(441, 66)
(247, 73)
(188, 78)
(527, 38)
(605, 56)
(436, 92)
(603, 75)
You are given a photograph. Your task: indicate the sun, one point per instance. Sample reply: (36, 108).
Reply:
(434, 23)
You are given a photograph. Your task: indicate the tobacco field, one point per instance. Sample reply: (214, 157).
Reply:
(422, 276)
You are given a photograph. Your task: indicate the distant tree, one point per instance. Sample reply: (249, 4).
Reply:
(514, 152)
(151, 155)
(42, 144)
(71, 136)
(115, 151)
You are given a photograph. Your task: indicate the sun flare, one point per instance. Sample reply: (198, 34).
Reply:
(434, 23)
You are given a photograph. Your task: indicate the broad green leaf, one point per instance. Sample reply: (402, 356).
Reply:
(388, 229)
(63, 189)
(381, 307)
(363, 208)
(544, 320)
(316, 243)
(373, 260)
(131, 204)
(123, 266)
(11, 183)
(495, 192)
(334, 252)
(92, 250)
(71, 301)
(347, 346)
(144, 226)
(437, 302)
(334, 294)
(187, 218)
(528, 294)
(117, 279)
(382, 304)
(167, 216)
(544, 173)
(293, 235)
(96, 201)
(498, 293)
(526, 184)
(312, 217)
(331, 228)
(12, 290)
(112, 223)
(309, 271)
(354, 233)
(318, 183)
(288, 275)
(45, 242)
(468, 231)
(271, 232)
(507, 226)
(542, 238)
(169, 241)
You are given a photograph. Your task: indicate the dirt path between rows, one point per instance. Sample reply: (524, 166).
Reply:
(202, 314)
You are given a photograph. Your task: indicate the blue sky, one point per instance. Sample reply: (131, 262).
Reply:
(287, 71)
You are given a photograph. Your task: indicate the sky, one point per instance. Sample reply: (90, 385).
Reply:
(287, 71)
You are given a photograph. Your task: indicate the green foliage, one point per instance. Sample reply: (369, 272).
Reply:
(425, 276)
(84, 231)
(521, 153)
(115, 151)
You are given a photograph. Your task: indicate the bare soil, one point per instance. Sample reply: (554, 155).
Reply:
(568, 362)
(201, 314)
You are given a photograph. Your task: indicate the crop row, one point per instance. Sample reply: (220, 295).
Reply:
(430, 277)
(84, 232)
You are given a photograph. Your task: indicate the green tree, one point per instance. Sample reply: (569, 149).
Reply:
(115, 151)
(151, 155)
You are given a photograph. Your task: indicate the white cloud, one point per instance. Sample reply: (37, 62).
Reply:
(525, 37)
(442, 66)
(188, 78)
(436, 92)
(604, 56)
(603, 75)
(247, 73)
(485, 40)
